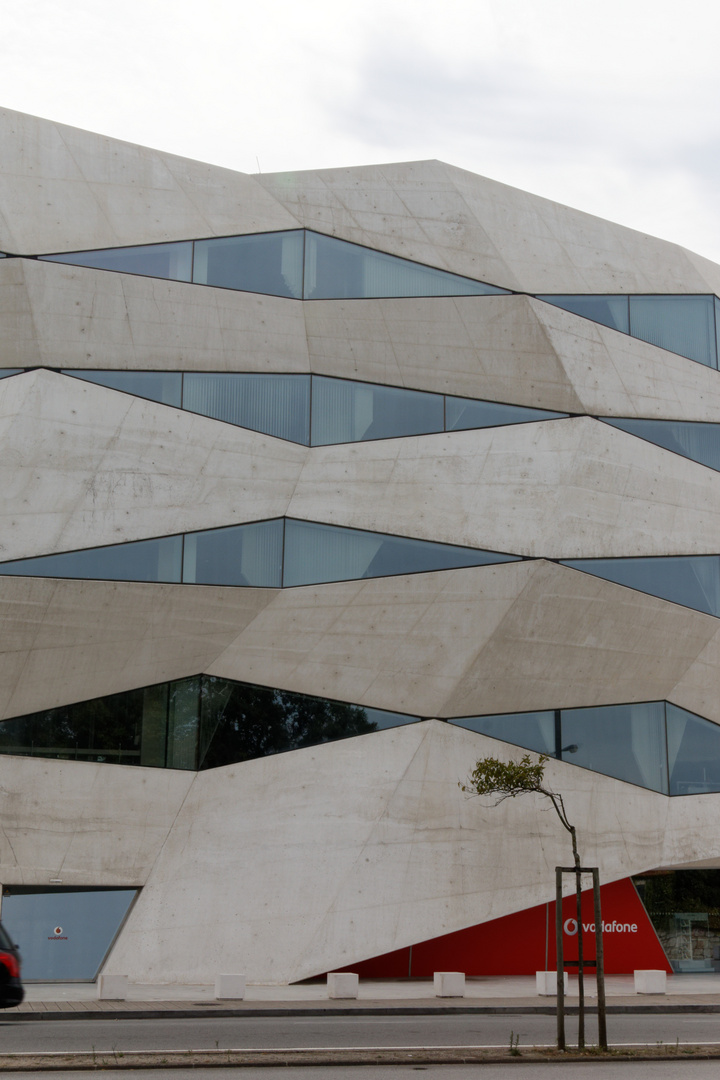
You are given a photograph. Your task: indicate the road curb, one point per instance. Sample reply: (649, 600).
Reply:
(333, 1010)
(351, 1056)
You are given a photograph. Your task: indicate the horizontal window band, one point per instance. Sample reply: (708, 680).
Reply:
(655, 744)
(277, 553)
(204, 722)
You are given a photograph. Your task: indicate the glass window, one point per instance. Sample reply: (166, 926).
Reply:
(462, 414)
(140, 560)
(609, 310)
(277, 405)
(163, 386)
(345, 411)
(183, 719)
(316, 553)
(682, 324)
(240, 721)
(5, 372)
(175, 725)
(173, 261)
(693, 752)
(264, 263)
(698, 441)
(240, 555)
(532, 730)
(624, 741)
(336, 269)
(105, 729)
(64, 934)
(690, 580)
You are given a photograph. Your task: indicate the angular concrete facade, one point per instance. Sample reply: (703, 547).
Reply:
(290, 865)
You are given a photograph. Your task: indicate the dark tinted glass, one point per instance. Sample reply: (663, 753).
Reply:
(163, 386)
(700, 442)
(4, 372)
(693, 752)
(533, 730)
(141, 560)
(608, 310)
(264, 263)
(690, 580)
(240, 722)
(274, 404)
(682, 324)
(463, 413)
(336, 269)
(316, 553)
(172, 261)
(240, 555)
(105, 729)
(345, 411)
(174, 725)
(624, 741)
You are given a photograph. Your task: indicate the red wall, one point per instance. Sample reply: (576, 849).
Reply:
(524, 943)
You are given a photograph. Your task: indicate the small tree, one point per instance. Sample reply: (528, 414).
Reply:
(507, 780)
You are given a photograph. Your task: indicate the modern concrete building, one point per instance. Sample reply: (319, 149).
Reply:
(316, 488)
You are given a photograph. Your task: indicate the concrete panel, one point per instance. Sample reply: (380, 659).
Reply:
(84, 823)
(83, 465)
(63, 189)
(557, 489)
(76, 317)
(491, 347)
(617, 375)
(510, 349)
(508, 638)
(341, 852)
(491, 639)
(447, 217)
(65, 641)
(568, 642)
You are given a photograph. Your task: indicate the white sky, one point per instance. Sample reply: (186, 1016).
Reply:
(612, 106)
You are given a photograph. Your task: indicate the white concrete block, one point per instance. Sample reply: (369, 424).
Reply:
(230, 987)
(546, 983)
(342, 984)
(650, 982)
(449, 983)
(112, 987)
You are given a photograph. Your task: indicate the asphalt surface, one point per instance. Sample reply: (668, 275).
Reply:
(359, 1031)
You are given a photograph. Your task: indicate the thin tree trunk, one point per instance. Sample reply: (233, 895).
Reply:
(581, 971)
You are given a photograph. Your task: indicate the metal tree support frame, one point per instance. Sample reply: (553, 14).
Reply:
(581, 963)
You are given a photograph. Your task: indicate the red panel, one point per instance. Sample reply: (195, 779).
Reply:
(523, 943)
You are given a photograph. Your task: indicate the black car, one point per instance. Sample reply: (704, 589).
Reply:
(11, 989)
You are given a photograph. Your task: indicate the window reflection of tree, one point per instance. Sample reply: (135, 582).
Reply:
(240, 722)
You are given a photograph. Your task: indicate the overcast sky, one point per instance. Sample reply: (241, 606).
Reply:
(612, 106)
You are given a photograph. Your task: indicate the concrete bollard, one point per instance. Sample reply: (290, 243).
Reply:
(112, 987)
(546, 983)
(342, 984)
(650, 981)
(229, 987)
(449, 983)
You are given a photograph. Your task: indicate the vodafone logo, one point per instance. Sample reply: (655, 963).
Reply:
(570, 927)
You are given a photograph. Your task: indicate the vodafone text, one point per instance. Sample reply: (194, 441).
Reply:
(570, 927)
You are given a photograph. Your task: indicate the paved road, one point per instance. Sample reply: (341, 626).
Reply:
(596, 1070)
(335, 1031)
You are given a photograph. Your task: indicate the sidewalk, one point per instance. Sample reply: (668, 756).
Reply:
(685, 993)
